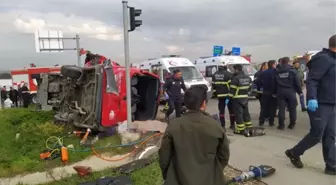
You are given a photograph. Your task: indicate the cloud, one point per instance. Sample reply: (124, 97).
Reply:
(266, 29)
(174, 49)
(69, 24)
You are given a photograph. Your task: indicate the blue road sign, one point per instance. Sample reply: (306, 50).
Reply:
(235, 51)
(217, 50)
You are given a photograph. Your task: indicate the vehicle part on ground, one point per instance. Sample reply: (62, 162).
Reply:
(83, 171)
(95, 97)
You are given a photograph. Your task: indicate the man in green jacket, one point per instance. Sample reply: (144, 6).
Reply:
(297, 66)
(194, 148)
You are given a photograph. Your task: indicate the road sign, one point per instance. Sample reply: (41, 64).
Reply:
(53, 41)
(217, 50)
(235, 51)
(49, 41)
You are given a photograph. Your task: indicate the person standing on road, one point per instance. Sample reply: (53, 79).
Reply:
(239, 92)
(25, 95)
(13, 95)
(269, 102)
(173, 88)
(297, 66)
(194, 148)
(256, 83)
(221, 85)
(287, 85)
(321, 109)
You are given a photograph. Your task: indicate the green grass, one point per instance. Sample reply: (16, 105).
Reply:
(22, 155)
(151, 175)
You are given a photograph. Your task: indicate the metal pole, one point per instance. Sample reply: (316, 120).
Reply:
(77, 49)
(127, 64)
(1, 100)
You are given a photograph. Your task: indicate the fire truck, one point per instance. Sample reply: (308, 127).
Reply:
(31, 75)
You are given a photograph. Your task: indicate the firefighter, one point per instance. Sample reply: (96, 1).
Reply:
(268, 101)
(321, 109)
(239, 92)
(296, 65)
(221, 86)
(25, 95)
(173, 87)
(287, 85)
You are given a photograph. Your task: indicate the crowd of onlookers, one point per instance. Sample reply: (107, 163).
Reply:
(15, 97)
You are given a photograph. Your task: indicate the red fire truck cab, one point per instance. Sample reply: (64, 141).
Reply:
(30, 76)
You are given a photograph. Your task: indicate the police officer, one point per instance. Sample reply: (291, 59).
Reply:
(268, 101)
(221, 85)
(287, 85)
(297, 66)
(166, 107)
(256, 83)
(239, 92)
(321, 109)
(173, 87)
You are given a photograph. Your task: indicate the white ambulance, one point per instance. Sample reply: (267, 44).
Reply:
(209, 65)
(165, 66)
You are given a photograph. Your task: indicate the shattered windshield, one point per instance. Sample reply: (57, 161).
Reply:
(247, 68)
(188, 72)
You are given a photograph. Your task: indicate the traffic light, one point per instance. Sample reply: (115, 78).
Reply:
(133, 14)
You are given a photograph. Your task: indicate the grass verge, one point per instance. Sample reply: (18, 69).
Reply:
(21, 155)
(150, 175)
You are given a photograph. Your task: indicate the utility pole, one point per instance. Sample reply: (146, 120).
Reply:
(129, 17)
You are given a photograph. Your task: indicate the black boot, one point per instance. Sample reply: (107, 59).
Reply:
(281, 127)
(295, 160)
(291, 126)
(304, 109)
(330, 171)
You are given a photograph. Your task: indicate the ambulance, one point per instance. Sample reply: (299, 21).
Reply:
(209, 65)
(164, 67)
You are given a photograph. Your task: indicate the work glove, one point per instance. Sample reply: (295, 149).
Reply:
(312, 105)
(227, 101)
(166, 96)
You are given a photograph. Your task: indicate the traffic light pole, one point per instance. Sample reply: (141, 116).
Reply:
(127, 63)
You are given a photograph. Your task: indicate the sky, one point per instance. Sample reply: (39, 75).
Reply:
(267, 29)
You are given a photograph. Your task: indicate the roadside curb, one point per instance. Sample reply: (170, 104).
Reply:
(62, 172)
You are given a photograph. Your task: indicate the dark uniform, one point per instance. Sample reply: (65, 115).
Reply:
(25, 96)
(194, 151)
(287, 85)
(268, 101)
(13, 95)
(257, 86)
(321, 87)
(221, 87)
(173, 87)
(239, 91)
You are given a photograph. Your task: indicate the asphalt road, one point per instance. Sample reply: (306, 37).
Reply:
(269, 150)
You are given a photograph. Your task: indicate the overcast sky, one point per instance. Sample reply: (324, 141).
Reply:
(267, 29)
